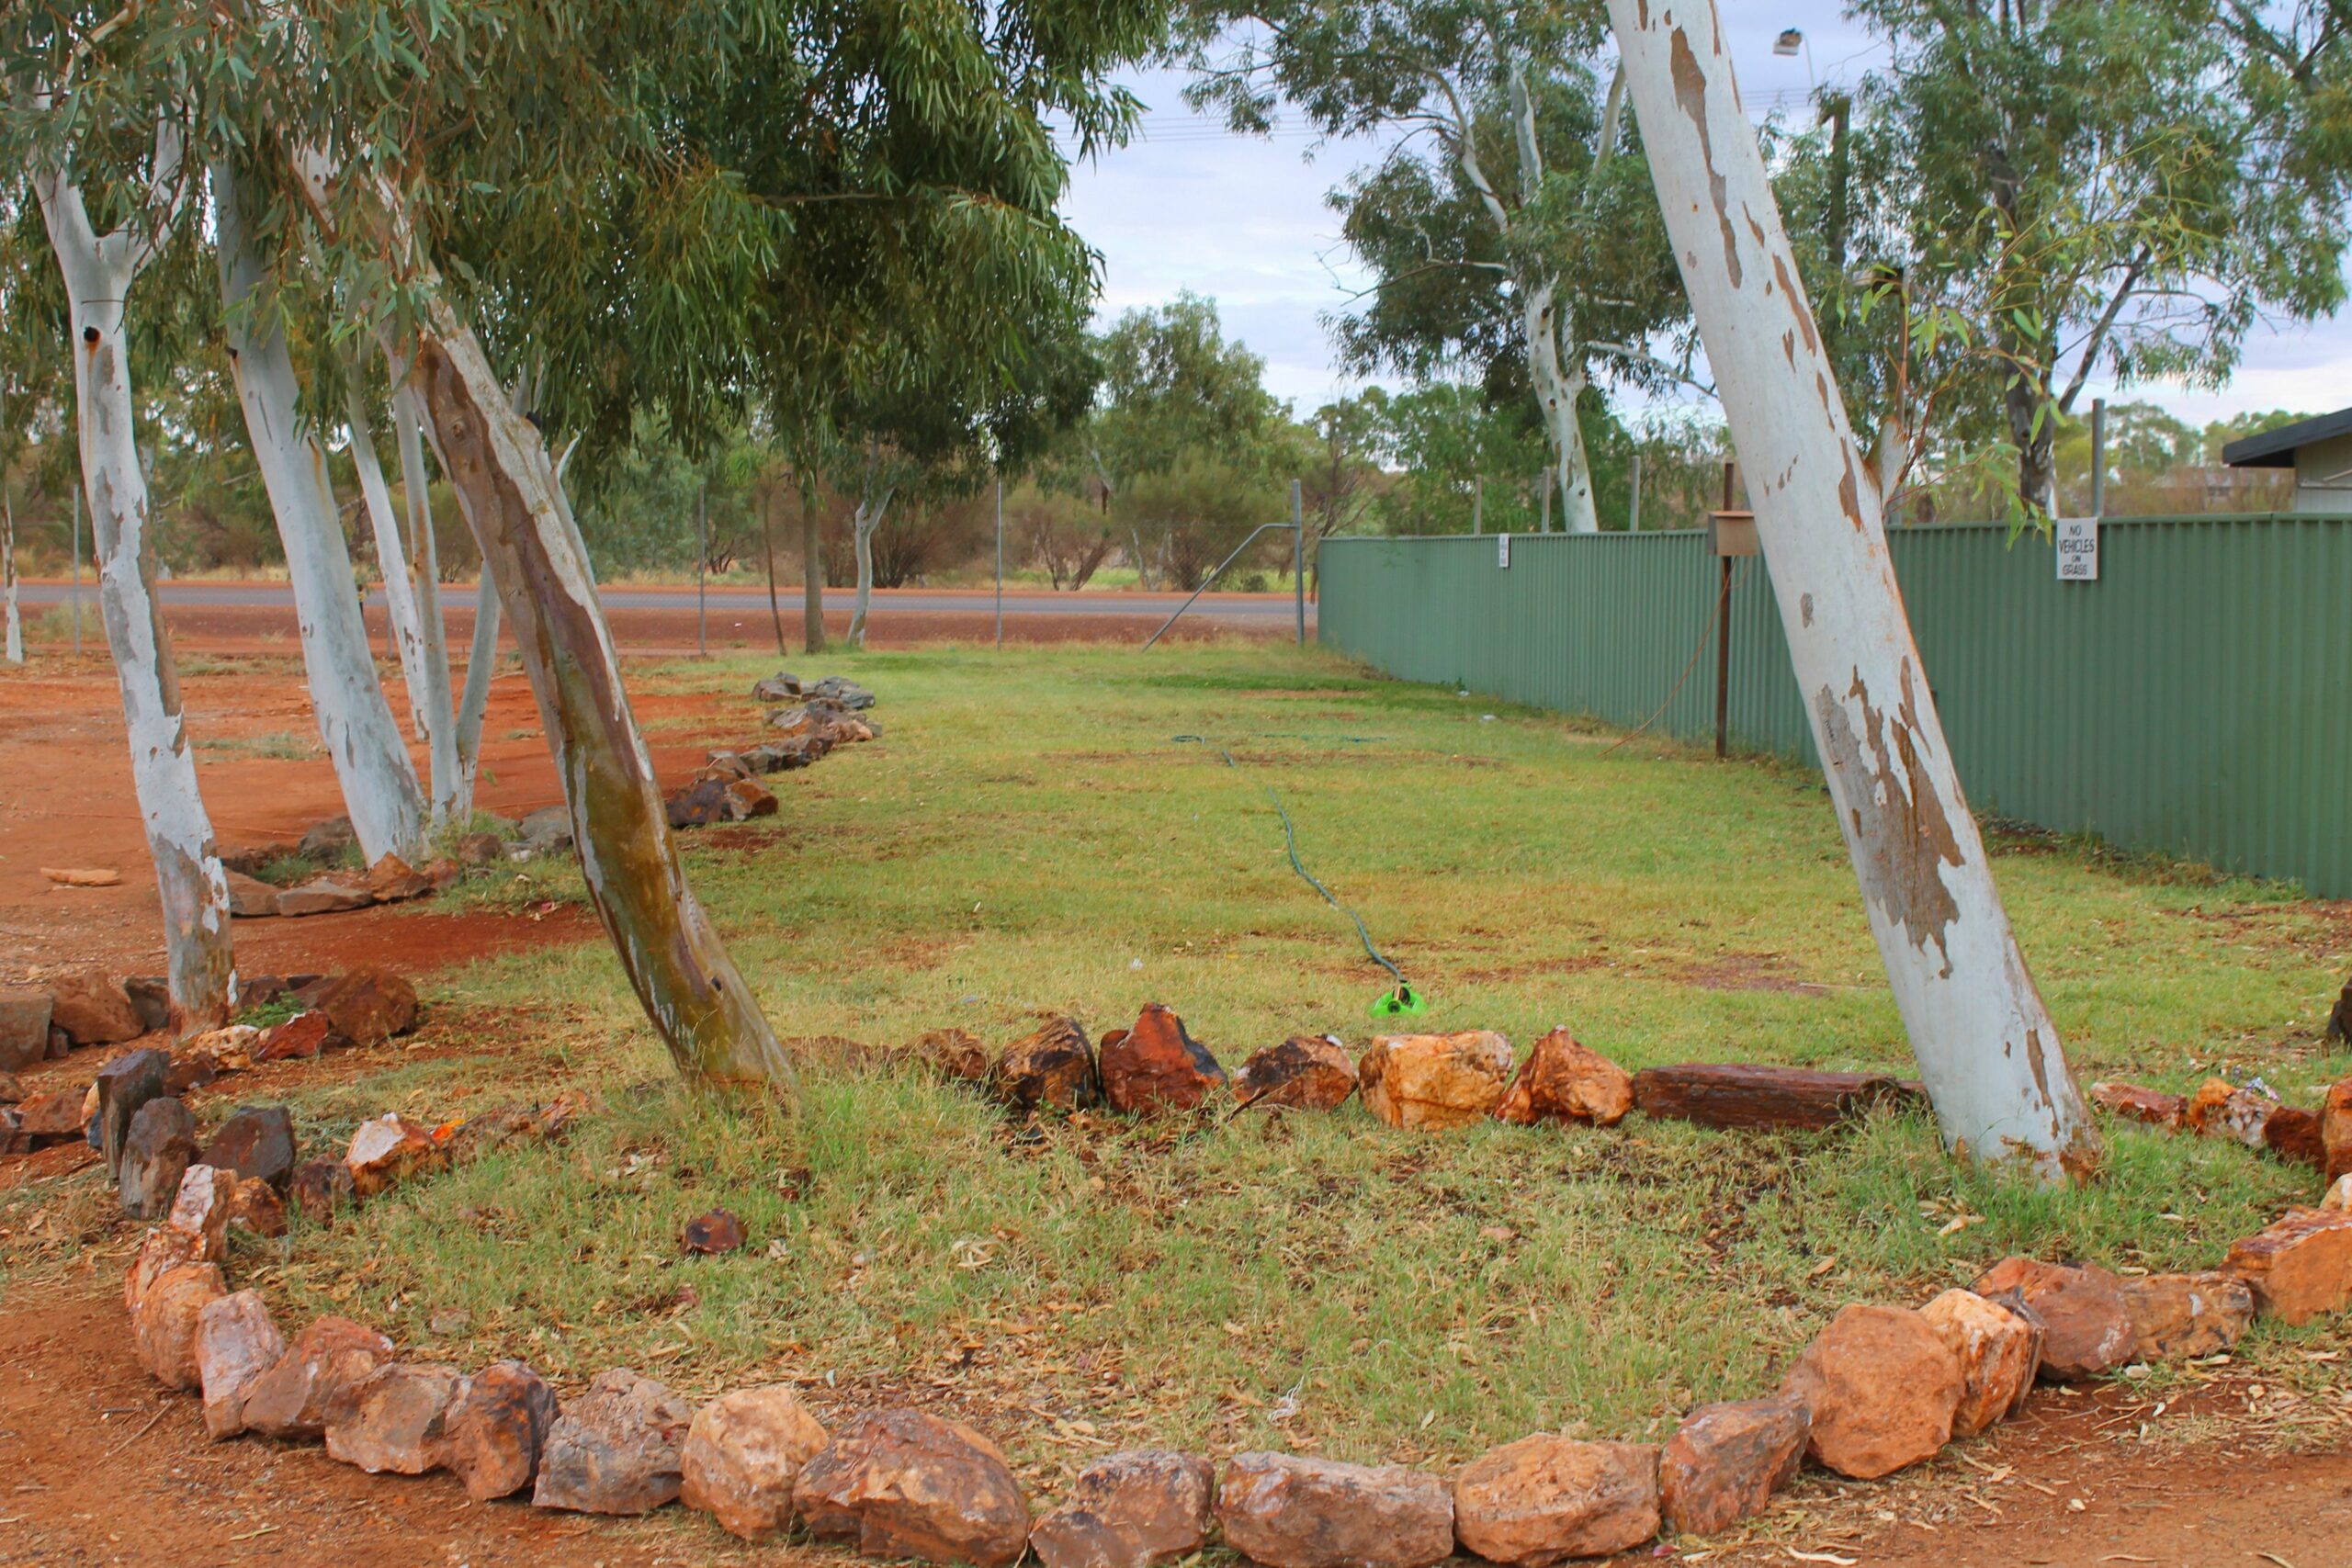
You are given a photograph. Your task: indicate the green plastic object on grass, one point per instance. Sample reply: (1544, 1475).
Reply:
(1404, 1001)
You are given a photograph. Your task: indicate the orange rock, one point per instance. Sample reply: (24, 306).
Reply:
(1563, 1081)
(200, 1207)
(388, 1150)
(2293, 1134)
(2300, 1267)
(1544, 1499)
(391, 879)
(902, 1483)
(495, 1429)
(1288, 1512)
(235, 1343)
(300, 1037)
(1998, 1351)
(1434, 1081)
(2176, 1317)
(163, 1328)
(365, 1005)
(1157, 1065)
(1055, 1067)
(161, 1250)
(1882, 1388)
(92, 1009)
(1725, 1461)
(2339, 1197)
(391, 1422)
(1306, 1072)
(326, 1360)
(2219, 1109)
(2087, 1331)
(1131, 1510)
(743, 1455)
(2135, 1104)
(2335, 1131)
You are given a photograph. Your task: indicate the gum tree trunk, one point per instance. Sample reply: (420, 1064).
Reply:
(1988, 1054)
(867, 518)
(812, 573)
(452, 780)
(482, 662)
(16, 650)
(356, 723)
(98, 274)
(531, 549)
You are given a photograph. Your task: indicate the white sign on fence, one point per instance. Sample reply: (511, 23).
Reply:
(2078, 540)
(1502, 552)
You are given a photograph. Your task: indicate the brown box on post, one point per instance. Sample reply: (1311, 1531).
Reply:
(1732, 534)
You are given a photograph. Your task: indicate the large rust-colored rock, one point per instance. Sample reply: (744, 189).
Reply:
(24, 1029)
(1131, 1510)
(614, 1448)
(297, 1039)
(92, 1009)
(2221, 1109)
(124, 1085)
(365, 1005)
(1434, 1081)
(250, 898)
(2088, 1332)
(1543, 1500)
(257, 1143)
(1563, 1081)
(1157, 1065)
(902, 1484)
(2000, 1353)
(325, 1362)
(388, 1151)
(1725, 1461)
(1054, 1067)
(2292, 1133)
(321, 1188)
(494, 1431)
(2153, 1108)
(1306, 1072)
(236, 1342)
(2300, 1267)
(322, 895)
(1288, 1512)
(153, 1158)
(743, 1455)
(256, 1206)
(164, 1327)
(2335, 1131)
(2176, 1317)
(392, 1423)
(51, 1118)
(161, 1251)
(392, 879)
(2339, 1199)
(1882, 1388)
(201, 1209)
(1738, 1094)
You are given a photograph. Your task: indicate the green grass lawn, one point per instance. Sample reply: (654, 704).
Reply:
(1033, 834)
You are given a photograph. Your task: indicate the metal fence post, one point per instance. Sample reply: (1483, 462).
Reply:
(702, 568)
(1000, 560)
(1298, 559)
(2099, 456)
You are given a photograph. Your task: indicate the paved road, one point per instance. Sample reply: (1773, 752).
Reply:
(1257, 610)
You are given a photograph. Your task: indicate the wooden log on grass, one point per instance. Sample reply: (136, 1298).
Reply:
(1739, 1094)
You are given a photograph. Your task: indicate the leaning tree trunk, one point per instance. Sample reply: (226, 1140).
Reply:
(98, 274)
(16, 650)
(356, 723)
(507, 486)
(1987, 1051)
(482, 663)
(812, 573)
(867, 518)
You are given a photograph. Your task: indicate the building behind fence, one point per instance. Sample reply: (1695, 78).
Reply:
(2194, 700)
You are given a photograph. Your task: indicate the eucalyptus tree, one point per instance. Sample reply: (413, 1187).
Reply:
(1988, 1053)
(2119, 190)
(1508, 218)
(32, 355)
(97, 109)
(687, 206)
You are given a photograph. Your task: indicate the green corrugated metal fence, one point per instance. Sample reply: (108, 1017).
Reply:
(2196, 700)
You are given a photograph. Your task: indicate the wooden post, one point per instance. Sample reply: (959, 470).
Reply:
(1633, 497)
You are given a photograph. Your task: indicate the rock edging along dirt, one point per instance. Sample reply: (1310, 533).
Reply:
(1880, 1388)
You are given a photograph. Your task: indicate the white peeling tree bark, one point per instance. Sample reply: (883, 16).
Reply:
(98, 274)
(452, 781)
(1988, 1054)
(873, 505)
(482, 663)
(16, 650)
(356, 724)
(1542, 322)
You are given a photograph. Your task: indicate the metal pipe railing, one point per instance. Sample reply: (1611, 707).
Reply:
(1213, 576)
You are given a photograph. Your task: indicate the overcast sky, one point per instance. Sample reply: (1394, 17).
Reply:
(1243, 221)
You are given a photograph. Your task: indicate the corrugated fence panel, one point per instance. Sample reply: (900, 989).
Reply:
(2196, 700)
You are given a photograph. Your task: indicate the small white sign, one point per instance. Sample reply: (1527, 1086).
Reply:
(2077, 541)
(1502, 552)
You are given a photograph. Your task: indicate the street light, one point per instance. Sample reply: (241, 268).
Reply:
(1792, 43)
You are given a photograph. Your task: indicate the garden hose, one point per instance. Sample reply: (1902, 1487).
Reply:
(1403, 1000)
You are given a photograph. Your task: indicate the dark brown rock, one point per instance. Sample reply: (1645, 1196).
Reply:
(495, 1429)
(1054, 1067)
(743, 1455)
(51, 1118)
(1131, 1510)
(902, 1483)
(1157, 1065)
(2292, 1133)
(1543, 1499)
(1735, 1094)
(615, 1448)
(700, 804)
(716, 1231)
(391, 1424)
(1288, 1512)
(155, 1155)
(125, 1084)
(297, 1397)
(2178, 1317)
(1882, 1388)
(1434, 1081)
(365, 1005)
(236, 1342)
(151, 999)
(321, 1188)
(190, 1073)
(256, 1206)
(2300, 1267)
(250, 899)
(1563, 1081)
(92, 1009)
(328, 841)
(257, 1143)
(1306, 1072)
(11, 1090)
(322, 895)
(2088, 1332)
(1726, 1461)
(24, 1029)
(751, 799)
(481, 849)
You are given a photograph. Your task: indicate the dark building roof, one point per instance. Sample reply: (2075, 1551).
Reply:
(2276, 448)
